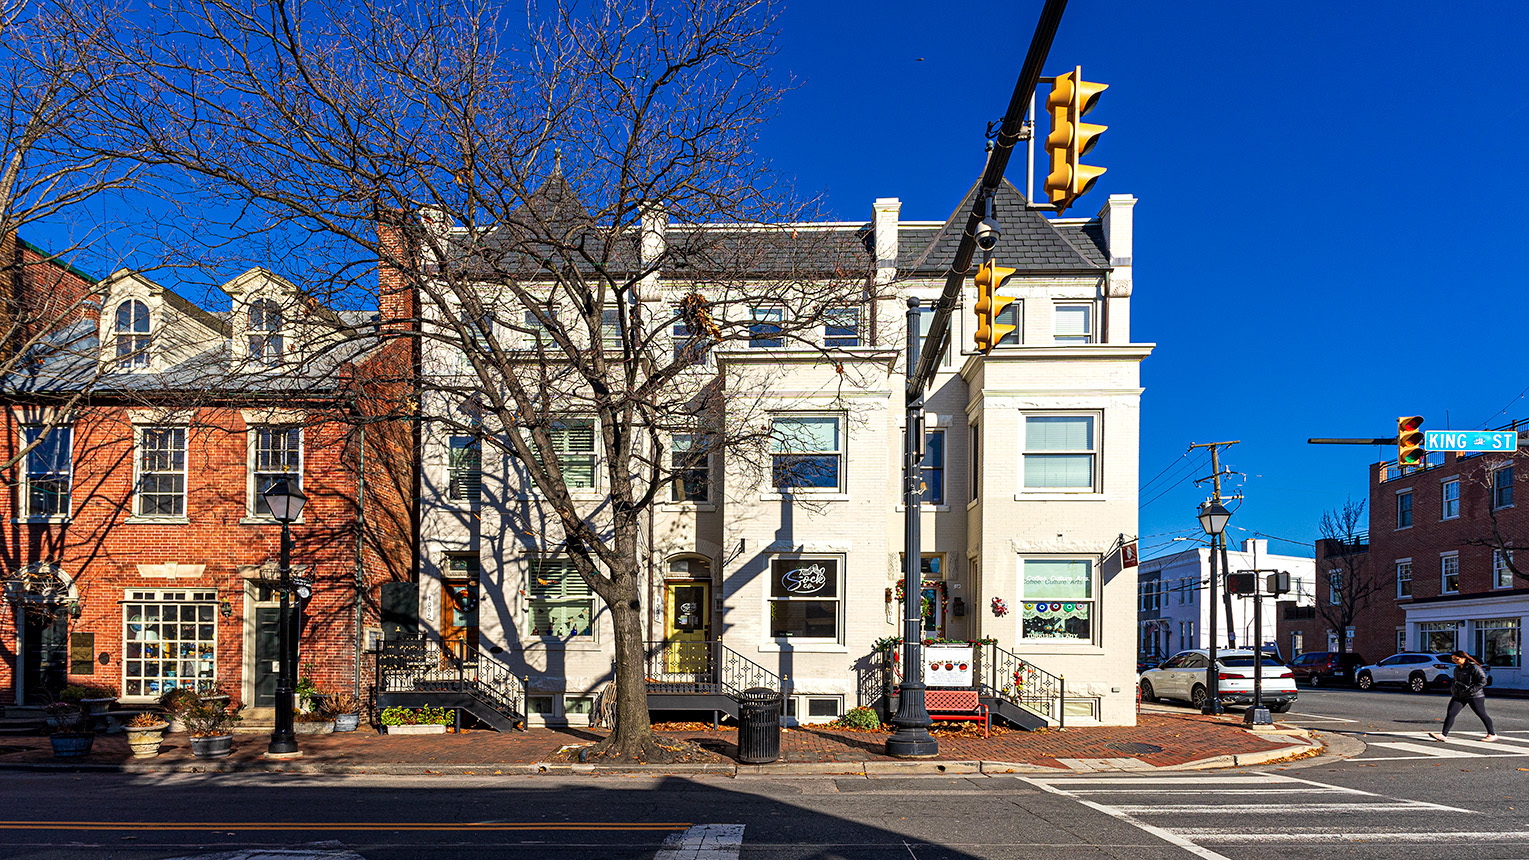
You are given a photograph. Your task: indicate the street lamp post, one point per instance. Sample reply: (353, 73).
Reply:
(1213, 518)
(286, 504)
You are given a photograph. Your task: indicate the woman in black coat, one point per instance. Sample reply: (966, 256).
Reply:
(1468, 688)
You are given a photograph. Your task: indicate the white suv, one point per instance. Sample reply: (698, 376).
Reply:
(1415, 670)
(1183, 677)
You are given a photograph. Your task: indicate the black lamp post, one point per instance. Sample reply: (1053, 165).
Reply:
(1213, 518)
(286, 504)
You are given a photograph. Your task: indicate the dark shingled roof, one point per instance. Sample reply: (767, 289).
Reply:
(1029, 242)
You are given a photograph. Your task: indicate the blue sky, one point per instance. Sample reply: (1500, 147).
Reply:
(1330, 195)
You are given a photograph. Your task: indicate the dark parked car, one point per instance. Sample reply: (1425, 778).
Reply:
(1326, 667)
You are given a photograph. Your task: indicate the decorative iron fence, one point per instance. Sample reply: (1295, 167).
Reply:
(1005, 675)
(704, 667)
(421, 665)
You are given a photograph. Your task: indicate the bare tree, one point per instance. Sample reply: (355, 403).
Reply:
(1494, 477)
(529, 184)
(1352, 581)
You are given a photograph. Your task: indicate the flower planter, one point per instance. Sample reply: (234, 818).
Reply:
(215, 746)
(71, 744)
(221, 699)
(347, 722)
(313, 728)
(422, 729)
(145, 741)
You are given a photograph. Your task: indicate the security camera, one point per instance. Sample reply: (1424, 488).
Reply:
(987, 233)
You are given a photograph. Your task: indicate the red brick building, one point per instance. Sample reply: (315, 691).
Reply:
(1437, 570)
(138, 552)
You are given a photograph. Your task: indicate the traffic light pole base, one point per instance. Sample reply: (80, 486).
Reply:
(1257, 717)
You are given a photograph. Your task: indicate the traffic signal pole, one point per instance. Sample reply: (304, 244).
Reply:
(912, 738)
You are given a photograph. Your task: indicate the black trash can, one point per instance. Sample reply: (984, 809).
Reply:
(758, 726)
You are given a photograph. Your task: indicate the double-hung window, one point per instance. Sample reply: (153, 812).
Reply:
(278, 454)
(925, 320)
(690, 458)
(1502, 487)
(1502, 574)
(131, 329)
(1450, 499)
(559, 600)
(1061, 453)
(690, 345)
(1057, 600)
(1404, 579)
(841, 327)
(1073, 323)
(162, 471)
(932, 468)
(49, 469)
(1449, 573)
(573, 442)
(805, 598)
(1335, 587)
(464, 469)
(1404, 510)
(265, 338)
(610, 329)
(765, 326)
(807, 453)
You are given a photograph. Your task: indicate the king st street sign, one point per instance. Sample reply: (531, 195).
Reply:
(1470, 441)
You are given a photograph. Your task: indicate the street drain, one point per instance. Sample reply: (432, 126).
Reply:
(1135, 748)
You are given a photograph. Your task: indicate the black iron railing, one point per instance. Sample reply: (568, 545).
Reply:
(1006, 675)
(421, 665)
(704, 667)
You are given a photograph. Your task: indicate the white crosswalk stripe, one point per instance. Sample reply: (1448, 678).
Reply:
(1323, 813)
(1393, 746)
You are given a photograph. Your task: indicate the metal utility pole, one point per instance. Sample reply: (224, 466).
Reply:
(1212, 683)
(912, 738)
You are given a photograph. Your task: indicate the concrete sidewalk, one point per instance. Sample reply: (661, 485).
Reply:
(1160, 740)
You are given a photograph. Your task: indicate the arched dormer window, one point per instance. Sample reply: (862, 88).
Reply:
(265, 333)
(132, 332)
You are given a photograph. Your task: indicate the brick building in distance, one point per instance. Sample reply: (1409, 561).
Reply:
(1437, 570)
(138, 552)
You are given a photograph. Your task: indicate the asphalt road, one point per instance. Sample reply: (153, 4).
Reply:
(1446, 801)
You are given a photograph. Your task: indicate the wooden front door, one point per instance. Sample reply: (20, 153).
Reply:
(687, 624)
(459, 616)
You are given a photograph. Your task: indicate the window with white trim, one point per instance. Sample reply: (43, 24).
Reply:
(265, 338)
(277, 453)
(536, 335)
(559, 602)
(807, 453)
(765, 326)
(925, 320)
(690, 458)
(806, 595)
(1502, 574)
(170, 640)
(974, 464)
(1335, 587)
(161, 472)
(131, 330)
(1404, 509)
(690, 346)
(1073, 322)
(1499, 641)
(573, 441)
(464, 469)
(1502, 487)
(1404, 579)
(49, 470)
(1056, 600)
(932, 468)
(1449, 573)
(841, 327)
(1061, 453)
(610, 330)
(1450, 499)
(1401, 640)
(1438, 636)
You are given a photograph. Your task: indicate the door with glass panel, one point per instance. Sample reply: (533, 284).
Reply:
(687, 626)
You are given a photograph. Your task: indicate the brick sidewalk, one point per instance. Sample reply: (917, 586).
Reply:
(1158, 740)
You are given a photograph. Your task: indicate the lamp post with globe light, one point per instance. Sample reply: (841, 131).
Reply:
(286, 503)
(1213, 518)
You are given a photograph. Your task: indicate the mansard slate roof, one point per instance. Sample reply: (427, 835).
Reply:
(1030, 242)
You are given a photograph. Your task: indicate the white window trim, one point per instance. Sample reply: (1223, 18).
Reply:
(464, 503)
(860, 326)
(137, 501)
(145, 362)
(280, 332)
(836, 493)
(1396, 512)
(200, 596)
(673, 504)
(528, 488)
(1492, 490)
(1499, 566)
(1093, 320)
(1444, 499)
(24, 485)
(1094, 600)
(251, 435)
(820, 644)
(1443, 557)
(1096, 488)
(1334, 592)
(1396, 569)
(592, 642)
(755, 318)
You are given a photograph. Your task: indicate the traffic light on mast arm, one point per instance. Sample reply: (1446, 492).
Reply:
(1071, 138)
(1409, 441)
(990, 332)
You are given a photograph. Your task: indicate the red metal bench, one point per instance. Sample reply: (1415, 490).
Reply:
(956, 705)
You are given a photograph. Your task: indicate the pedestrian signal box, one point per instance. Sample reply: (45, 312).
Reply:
(1242, 583)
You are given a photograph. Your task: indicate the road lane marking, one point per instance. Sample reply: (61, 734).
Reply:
(1241, 836)
(1314, 718)
(704, 842)
(426, 826)
(1165, 835)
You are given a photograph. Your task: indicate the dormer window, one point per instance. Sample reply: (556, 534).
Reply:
(265, 333)
(132, 332)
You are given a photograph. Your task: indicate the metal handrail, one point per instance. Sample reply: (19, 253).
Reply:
(1004, 675)
(704, 667)
(420, 664)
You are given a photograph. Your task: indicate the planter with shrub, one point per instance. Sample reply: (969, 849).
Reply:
(211, 726)
(346, 709)
(416, 721)
(145, 733)
(68, 737)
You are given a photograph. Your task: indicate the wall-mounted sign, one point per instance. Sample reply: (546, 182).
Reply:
(804, 577)
(948, 665)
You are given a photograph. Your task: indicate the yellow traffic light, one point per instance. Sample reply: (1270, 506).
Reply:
(990, 332)
(1071, 138)
(1409, 441)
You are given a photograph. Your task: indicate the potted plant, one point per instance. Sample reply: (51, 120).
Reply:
(211, 725)
(312, 723)
(212, 691)
(69, 739)
(416, 721)
(176, 701)
(145, 733)
(347, 711)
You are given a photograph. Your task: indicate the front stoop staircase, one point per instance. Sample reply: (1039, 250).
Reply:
(413, 672)
(1023, 694)
(702, 676)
